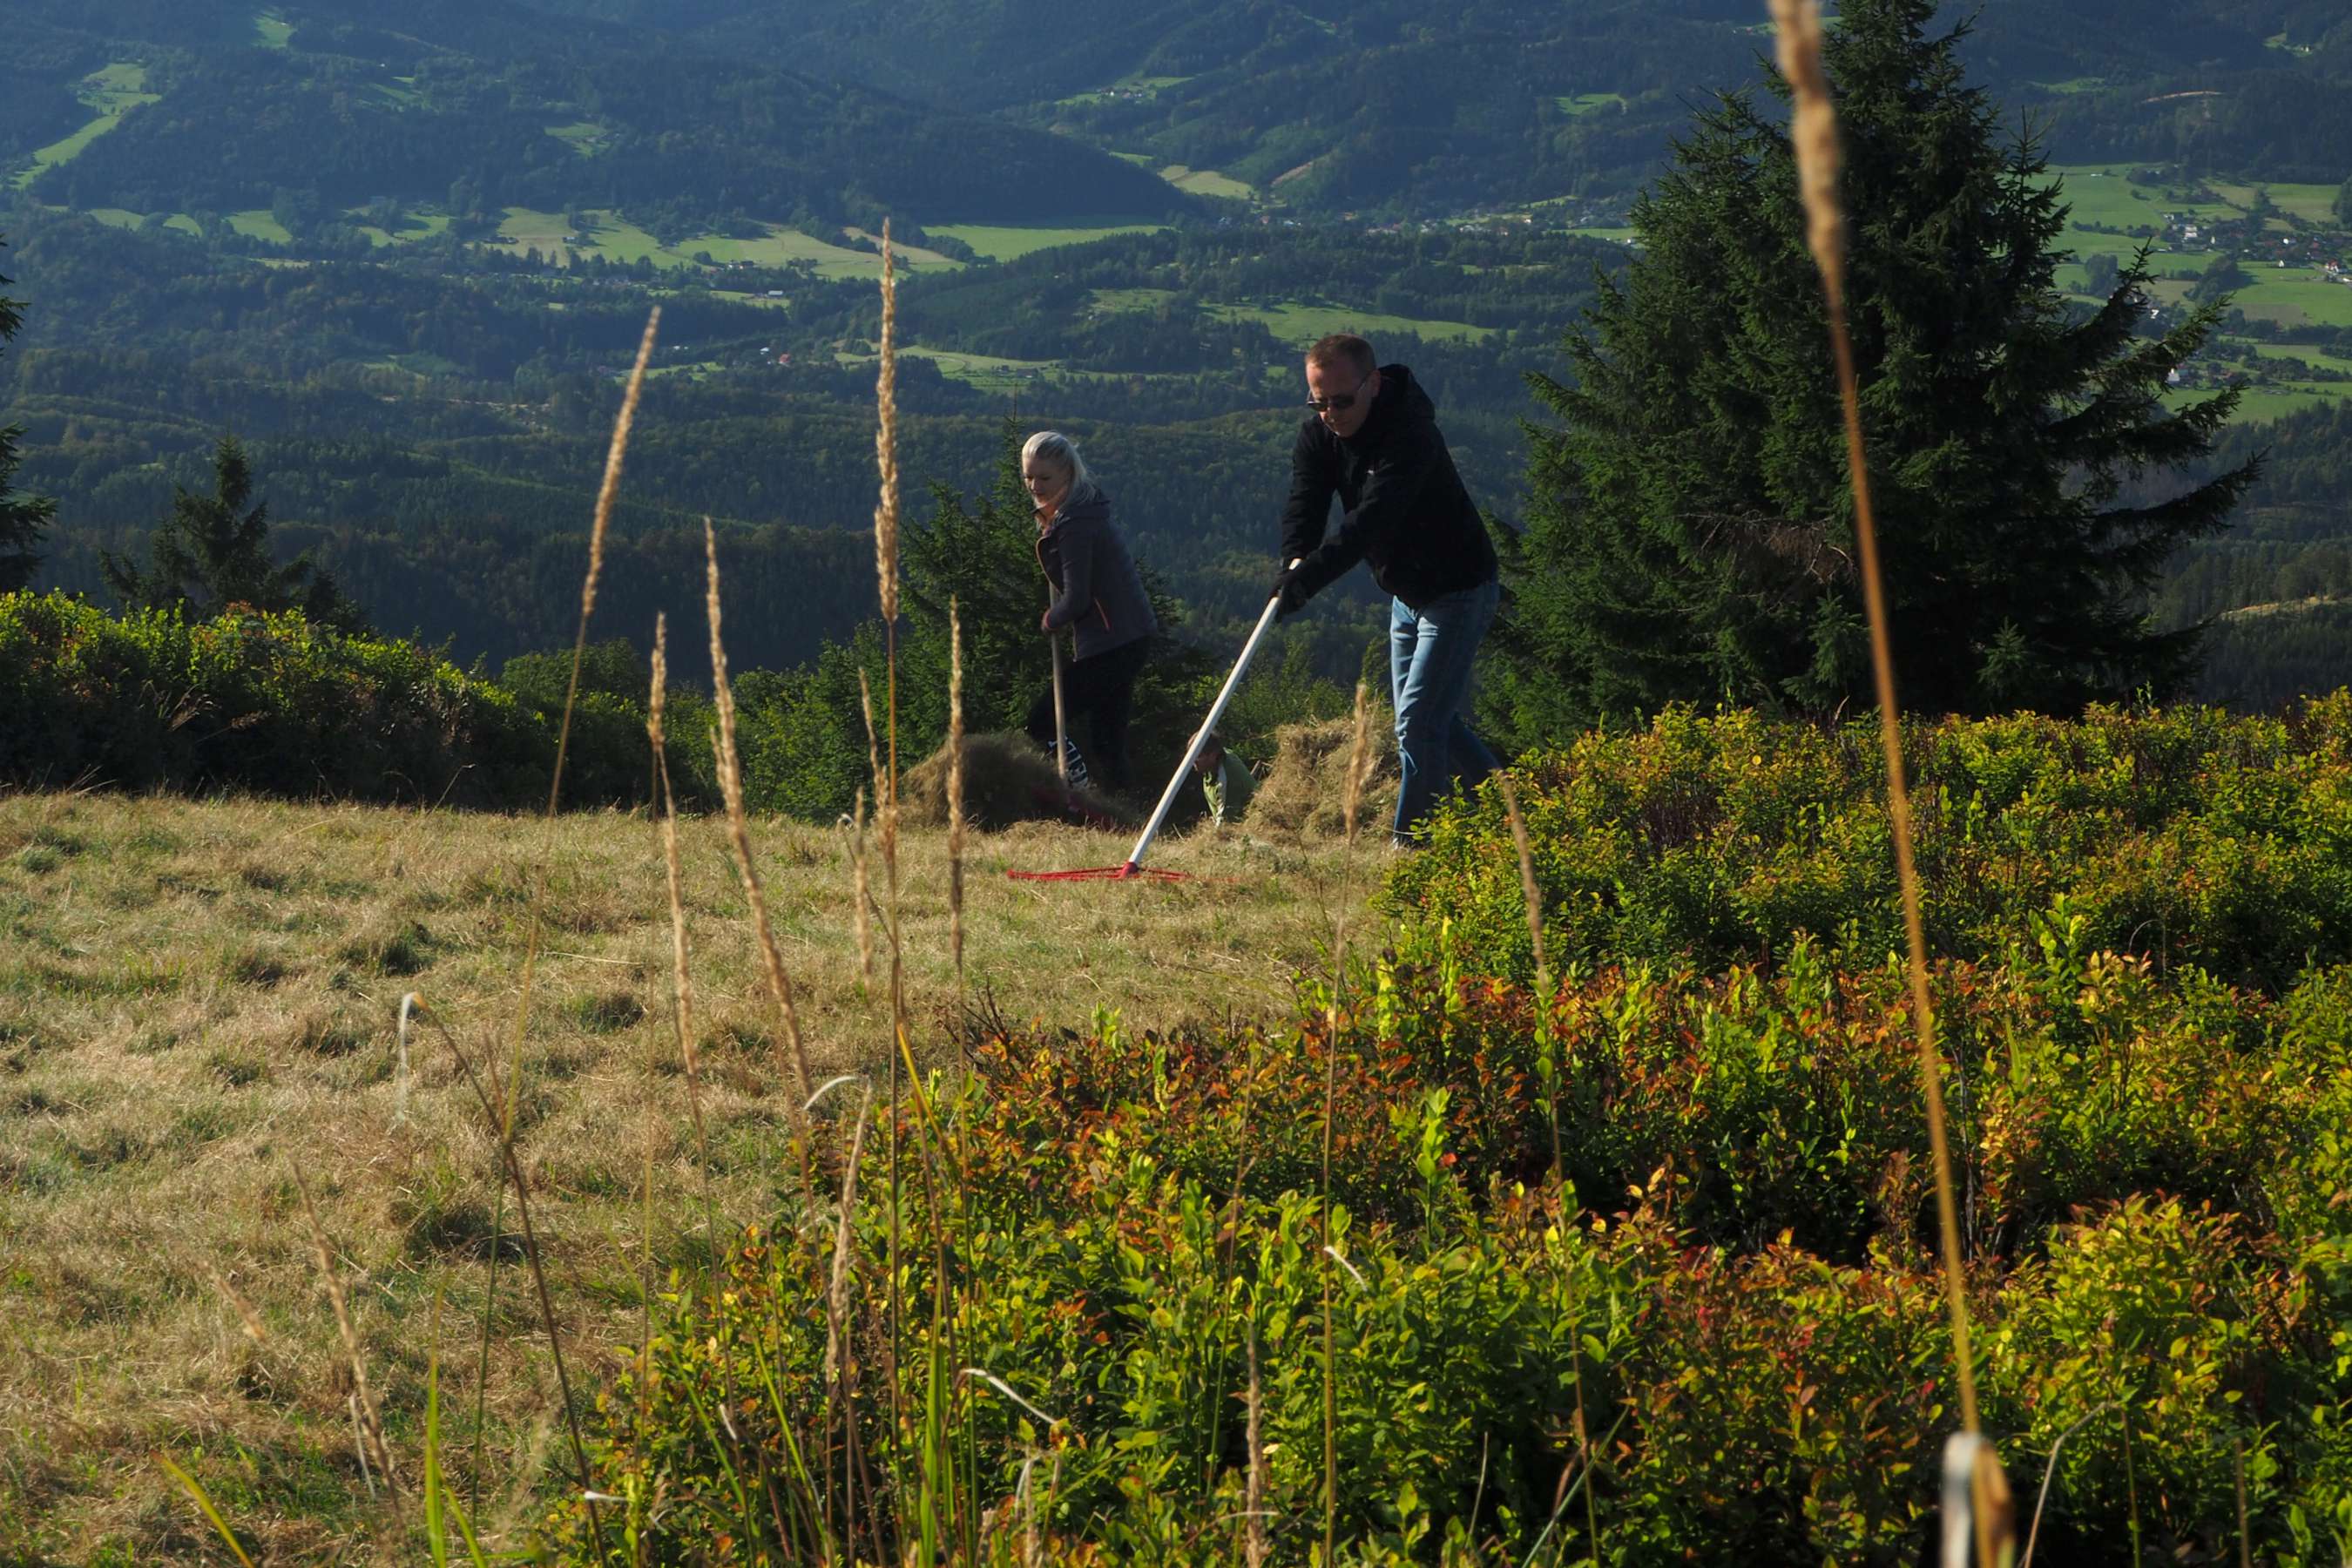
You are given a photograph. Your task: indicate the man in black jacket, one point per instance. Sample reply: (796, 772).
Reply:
(1374, 442)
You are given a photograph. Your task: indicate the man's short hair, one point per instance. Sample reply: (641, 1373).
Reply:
(1343, 348)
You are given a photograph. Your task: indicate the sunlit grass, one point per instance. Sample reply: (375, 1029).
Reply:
(1010, 242)
(1302, 324)
(615, 240)
(1206, 182)
(260, 222)
(202, 995)
(114, 91)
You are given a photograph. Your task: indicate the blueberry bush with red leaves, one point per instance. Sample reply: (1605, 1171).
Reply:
(1638, 1269)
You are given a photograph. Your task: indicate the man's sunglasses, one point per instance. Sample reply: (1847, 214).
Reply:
(1339, 402)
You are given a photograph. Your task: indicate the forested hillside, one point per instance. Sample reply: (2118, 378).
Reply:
(409, 264)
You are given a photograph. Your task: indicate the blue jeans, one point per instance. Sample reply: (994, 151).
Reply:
(1430, 650)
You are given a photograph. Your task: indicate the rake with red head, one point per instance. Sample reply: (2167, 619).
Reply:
(1133, 867)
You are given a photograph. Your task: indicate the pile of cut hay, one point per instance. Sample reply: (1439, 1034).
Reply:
(1306, 791)
(1005, 780)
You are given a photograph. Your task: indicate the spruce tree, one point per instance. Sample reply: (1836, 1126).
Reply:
(22, 517)
(213, 553)
(1690, 529)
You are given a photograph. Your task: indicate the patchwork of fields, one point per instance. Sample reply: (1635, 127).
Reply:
(2113, 215)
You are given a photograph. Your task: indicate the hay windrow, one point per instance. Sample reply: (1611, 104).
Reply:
(1306, 790)
(1005, 780)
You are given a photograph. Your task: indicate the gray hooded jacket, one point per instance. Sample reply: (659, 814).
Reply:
(1096, 586)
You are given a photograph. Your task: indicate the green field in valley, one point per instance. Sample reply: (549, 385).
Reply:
(259, 223)
(415, 225)
(585, 137)
(1302, 324)
(1590, 102)
(1206, 182)
(1010, 242)
(113, 91)
(615, 240)
(994, 372)
(271, 30)
(1127, 88)
(2274, 401)
(1130, 299)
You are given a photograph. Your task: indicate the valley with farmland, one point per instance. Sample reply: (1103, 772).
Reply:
(564, 998)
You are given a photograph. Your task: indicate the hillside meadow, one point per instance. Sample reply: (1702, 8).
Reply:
(200, 1011)
(1631, 1248)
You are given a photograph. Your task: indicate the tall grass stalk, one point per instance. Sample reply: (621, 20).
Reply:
(861, 890)
(203, 1501)
(842, 1403)
(616, 451)
(371, 1426)
(490, 1096)
(886, 575)
(1359, 771)
(1814, 131)
(739, 835)
(1548, 1065)
(1253, 1440)
(438, 1497)
(2049, 1472)
(955, 789)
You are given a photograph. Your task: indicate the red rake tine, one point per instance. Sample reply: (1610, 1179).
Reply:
(1135, 869)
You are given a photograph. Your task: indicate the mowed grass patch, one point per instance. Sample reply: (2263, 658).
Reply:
(272, 31)
(202, 1001)
(2105, 193)
(1583, 103)
(260, 222)
(1010, 242)
(2294, 301)
(414, 226)
(2318, 359)
(1130, 299)
(113, 91)
(1303, 324)
(616, 239)
(585, 137)
(1207, 182)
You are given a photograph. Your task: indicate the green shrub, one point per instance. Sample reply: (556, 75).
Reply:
(1735, 1303)
(274, 705)
(2185, 834)
(267, 703)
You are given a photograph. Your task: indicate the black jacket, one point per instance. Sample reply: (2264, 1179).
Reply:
(1406, 511)
(1096, 586)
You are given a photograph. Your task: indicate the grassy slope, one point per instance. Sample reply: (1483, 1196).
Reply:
(198, 1000)
(113, 91)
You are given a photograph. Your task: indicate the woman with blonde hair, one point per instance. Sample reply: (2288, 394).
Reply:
(1097, 593)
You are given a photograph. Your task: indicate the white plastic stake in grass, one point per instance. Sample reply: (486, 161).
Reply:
(400, 1085)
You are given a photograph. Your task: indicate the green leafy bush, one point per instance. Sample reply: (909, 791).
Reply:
(272, 704)
(2185, 835)
(1735, 1303)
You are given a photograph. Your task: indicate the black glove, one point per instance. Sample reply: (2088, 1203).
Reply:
(1292, 590)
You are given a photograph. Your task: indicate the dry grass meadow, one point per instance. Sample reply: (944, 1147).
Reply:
(198, 1005)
